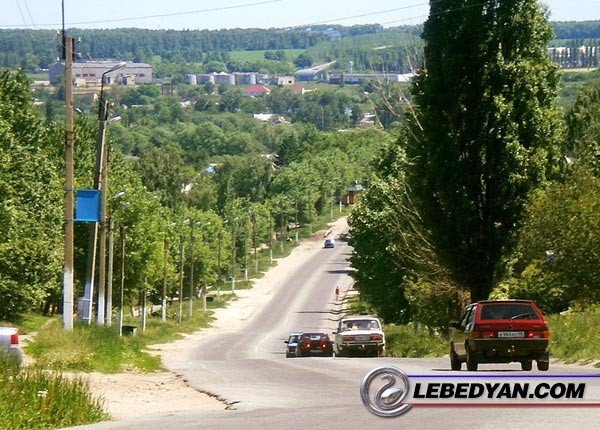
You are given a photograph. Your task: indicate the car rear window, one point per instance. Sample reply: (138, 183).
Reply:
(508, 311)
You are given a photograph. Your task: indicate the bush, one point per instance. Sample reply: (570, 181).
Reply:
(414, 341)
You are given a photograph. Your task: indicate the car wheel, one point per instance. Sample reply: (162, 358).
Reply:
(526, 365)
(455, 363)
(381, 352)
(543, 365)
(471, 361)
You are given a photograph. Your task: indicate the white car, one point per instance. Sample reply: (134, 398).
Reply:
(359, 335)
(9, 343)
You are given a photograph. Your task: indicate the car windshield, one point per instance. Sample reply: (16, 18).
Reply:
(361, 325)
(293, 338)
(508, 312)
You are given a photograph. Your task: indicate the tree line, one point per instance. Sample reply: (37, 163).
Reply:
(491, 190)
(221, 181)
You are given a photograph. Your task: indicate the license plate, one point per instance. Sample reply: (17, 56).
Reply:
(511, 334)
(315, 351)
(361, 338)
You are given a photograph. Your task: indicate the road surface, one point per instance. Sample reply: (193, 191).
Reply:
(247, 368)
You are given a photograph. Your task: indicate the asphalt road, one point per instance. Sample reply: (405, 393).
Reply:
(248, 369)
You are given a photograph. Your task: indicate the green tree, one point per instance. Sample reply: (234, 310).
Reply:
(303, 61)
(558, 252)
(486, 131)
(30, 201)
(583, 121)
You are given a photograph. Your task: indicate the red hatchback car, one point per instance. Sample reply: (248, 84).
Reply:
(501, 331)
(314, 344)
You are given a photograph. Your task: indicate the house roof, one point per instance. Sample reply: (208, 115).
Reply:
(254, 89)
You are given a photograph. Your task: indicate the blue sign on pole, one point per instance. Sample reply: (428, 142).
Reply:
(87, 205)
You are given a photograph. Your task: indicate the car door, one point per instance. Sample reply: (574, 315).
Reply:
(460, 333)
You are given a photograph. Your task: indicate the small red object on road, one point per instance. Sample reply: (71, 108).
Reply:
(337, 292)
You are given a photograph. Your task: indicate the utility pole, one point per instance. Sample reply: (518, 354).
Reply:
(309, 214)
(68, 193)
(233, 257)
(111, 236)
(181, 258)
(270, 238)
(102, 245)
(296, 223)
(254, 245)
(122, 289)
(88, 292)
(219, 264)
(100, 176)
(191, 291)
(163, 306)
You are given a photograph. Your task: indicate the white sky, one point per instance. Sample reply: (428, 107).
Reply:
(191, 14)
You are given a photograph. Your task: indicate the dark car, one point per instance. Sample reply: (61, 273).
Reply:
(314, 344)
(291, 343)
(500, 331)
(329, 243)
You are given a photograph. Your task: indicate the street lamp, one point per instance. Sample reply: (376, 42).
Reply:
(100, 179)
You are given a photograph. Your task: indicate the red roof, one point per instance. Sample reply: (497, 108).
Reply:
(256, 89)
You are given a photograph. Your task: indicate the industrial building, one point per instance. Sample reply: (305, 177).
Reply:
(91, 72)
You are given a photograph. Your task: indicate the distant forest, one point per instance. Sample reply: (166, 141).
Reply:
(37, 49)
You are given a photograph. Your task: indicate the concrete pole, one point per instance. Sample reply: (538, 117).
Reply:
(122, 289)
(163, 306)
(88, 292)
(180, 293)
(111, 236)
(219, 265)
(102, 244)
(68, 193)
(191, 289)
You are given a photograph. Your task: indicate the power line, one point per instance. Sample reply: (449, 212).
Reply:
(435, 14)
(369, 14)
(162, 15)
(21, 12)
(29, 13)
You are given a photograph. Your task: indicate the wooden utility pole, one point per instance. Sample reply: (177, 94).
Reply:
(69, 169)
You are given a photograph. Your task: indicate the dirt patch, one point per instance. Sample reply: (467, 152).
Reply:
(129, 395)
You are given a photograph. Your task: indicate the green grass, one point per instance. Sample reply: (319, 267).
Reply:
(411, 341)
(574, 336)
(29, 322)
(252, 56)
(95, 348)
(33, 399)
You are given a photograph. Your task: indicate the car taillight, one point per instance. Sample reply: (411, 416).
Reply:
(483, 334)
(376, 337)
(14, 339)
(347, 338)
(542, 334)
(324, 345)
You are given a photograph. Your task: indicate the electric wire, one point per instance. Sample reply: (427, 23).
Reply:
(21, 13)
(29, 14)
(162, 15)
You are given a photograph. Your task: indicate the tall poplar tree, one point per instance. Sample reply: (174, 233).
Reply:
(486, 130)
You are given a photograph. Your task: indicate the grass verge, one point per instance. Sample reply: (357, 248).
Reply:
(574, 336)
(96, 348)
(33, 399)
